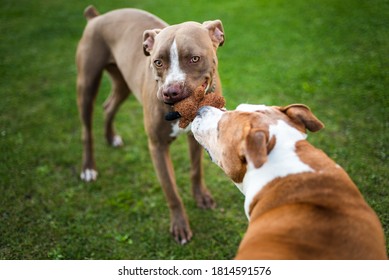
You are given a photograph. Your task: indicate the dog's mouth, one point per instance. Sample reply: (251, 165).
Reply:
(206, 86)
(173, 115)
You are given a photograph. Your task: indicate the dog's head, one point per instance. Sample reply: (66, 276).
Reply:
(236, 139)
(183, 57)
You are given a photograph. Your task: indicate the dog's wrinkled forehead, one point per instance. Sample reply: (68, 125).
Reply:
(207, 36)
(268, 114)
(190, 34)
(298, 116)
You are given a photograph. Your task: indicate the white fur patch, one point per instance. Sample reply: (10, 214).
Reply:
(204, 128)
(282, 161)
(251, 107)
(117, 141)
(177, 131)
(88, 175)
(175, 73)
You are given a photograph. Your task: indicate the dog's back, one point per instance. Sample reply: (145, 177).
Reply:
(312, 216)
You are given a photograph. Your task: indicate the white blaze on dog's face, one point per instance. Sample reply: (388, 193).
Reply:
(242, 139)
(183, 57)
(205, 130)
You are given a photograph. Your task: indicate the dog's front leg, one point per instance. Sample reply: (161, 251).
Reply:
(200, 192)
(179, 225)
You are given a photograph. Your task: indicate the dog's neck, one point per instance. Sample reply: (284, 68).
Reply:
(281, 162)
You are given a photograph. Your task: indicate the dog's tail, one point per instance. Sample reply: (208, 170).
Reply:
(90, 12)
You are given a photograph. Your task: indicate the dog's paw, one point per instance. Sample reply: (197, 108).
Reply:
(88, 175)
(117, 141)
(181, 231)
(204, 199)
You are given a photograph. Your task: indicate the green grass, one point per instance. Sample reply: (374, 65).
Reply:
(331, 55)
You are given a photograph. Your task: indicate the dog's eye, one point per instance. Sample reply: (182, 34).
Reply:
(158, 63)
(195, 59)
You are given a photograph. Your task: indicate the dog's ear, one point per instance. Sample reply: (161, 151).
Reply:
(216, 32)
(301, 115)
(148, 40)
(255, 148)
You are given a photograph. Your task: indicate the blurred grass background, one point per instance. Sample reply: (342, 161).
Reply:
(331, 55)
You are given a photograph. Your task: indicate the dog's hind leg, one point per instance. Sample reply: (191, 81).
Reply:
(90, 65)
(119, 93)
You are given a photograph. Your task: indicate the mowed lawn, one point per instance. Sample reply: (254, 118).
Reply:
(331, 55)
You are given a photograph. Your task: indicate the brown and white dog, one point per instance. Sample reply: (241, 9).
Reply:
(160, 65)
(300, 203)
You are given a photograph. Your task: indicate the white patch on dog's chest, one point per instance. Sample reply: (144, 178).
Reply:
(177, 131)
(282, 161)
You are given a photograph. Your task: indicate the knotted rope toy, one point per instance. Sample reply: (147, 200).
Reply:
(187, 108)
